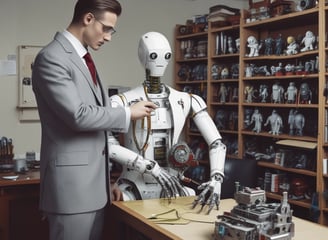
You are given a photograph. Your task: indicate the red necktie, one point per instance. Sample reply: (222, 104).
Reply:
(91, 66)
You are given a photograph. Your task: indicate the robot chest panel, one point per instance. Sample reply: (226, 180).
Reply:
(161, 118)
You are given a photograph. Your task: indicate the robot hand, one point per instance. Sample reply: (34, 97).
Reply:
(170, 184)
(214, 187)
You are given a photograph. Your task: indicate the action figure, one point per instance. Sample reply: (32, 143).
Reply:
(154, 157)
(277, 93)
(296, 122)
(249, 93)
(254, 46)
(222, 93)
(268, 45)
(275, 122)
(291, 93)
(292, 47)
(305, 94)
(263, 93)
(308, 41)
(279, 45)
(257, 119)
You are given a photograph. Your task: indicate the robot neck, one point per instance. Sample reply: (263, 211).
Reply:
(153, 84)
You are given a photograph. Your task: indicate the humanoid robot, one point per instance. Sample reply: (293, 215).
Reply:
(154, 156)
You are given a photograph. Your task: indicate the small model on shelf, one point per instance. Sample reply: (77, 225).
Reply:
(263, 93)
(296, 122)
(292, 47)
(222, 93)
(276, 123)
(305, 94)
(291, 93)
(277, 93)
(308, 41)
(257, 119)
(254, 46)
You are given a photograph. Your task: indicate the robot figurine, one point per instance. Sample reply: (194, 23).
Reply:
(257, 119)
(275, 122)
(254, 46)
(154, 157)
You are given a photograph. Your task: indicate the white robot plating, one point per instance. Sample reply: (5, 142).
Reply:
(154, 156)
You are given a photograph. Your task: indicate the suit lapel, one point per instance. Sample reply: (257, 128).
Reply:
(76, 60)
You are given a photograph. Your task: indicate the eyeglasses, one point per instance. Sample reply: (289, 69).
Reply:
(107, 29)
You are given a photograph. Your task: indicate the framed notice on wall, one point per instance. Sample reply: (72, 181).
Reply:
(26, 100)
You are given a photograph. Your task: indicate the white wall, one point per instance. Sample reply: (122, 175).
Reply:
(34, 22)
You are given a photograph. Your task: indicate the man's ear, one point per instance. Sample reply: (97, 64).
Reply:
(87, 18)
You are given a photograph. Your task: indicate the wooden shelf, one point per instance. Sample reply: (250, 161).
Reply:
(292, 24)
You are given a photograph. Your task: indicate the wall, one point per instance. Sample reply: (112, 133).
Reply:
(34, 22)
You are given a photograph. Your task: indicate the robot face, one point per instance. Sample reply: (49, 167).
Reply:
(154, 53)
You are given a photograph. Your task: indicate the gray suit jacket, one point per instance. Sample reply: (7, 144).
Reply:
(74, 121)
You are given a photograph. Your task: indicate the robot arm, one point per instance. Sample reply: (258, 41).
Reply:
(217, 153)
(170, 184)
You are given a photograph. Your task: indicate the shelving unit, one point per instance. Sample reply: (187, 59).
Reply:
(241, 140)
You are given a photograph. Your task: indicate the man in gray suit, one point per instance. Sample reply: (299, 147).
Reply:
(75, 116)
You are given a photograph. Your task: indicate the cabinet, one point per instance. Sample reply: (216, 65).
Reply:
(270, 81)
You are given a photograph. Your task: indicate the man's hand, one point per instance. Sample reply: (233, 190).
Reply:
(142, 109)
(170, 184)
(212, 187)
(117, 195)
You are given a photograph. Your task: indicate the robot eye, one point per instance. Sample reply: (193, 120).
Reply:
(153, 56)
(168, 56)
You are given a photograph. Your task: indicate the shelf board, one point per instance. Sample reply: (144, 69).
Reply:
(287, 20)
(292, 170)
(302, 203)
(281, 105)
(280, 136)
(297, 143)
(282, 57)
(302, 77)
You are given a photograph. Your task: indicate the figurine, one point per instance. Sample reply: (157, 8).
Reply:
(231, 47)
(257, 119)
(237, 42)
(154, 156)
(277, 93)
(249, 70)
(254, 46)
(305, 94)
(296, 122)
(268, 42)
(215, 72)
(263, 93)
(249, 93)
(224, 73)
(276, 123)
(221, 119)
(234, 69)
(308, 41)
(291, 93)
(292, 47)
(289, 69)
(279, 45)
(222, 93)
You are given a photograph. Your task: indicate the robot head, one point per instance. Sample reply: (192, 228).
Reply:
(154, 53)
